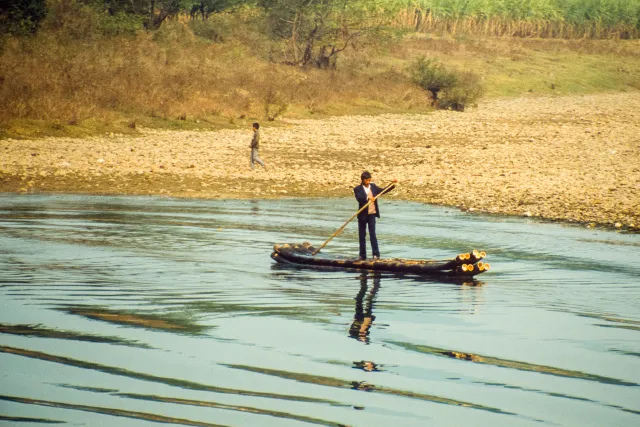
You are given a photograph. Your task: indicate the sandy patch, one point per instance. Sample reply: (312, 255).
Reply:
(573, 159)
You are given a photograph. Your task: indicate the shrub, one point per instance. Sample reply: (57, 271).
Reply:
(119, 24)
(21, 16)
(456, 89)
(275, 103)
(432, 76)
(466, 91)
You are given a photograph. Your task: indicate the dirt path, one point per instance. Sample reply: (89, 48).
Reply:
(561, 158)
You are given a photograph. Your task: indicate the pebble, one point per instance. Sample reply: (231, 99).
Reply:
(483, 158)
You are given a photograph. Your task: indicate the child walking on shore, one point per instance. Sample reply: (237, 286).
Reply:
(255, 146)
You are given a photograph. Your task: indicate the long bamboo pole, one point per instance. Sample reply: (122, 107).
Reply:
(339, 230)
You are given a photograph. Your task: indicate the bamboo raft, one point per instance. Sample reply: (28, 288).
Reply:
(305, 255)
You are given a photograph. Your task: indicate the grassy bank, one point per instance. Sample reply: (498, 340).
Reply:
(84, 73)
(523, 66)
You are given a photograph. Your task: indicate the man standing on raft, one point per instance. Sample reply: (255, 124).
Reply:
(365, 192)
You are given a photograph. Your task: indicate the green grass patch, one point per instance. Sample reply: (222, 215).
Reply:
(563, 74)
(512, 67)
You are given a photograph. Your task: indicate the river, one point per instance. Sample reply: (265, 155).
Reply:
(134, 311)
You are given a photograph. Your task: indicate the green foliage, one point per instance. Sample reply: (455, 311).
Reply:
(152, 13)
(449, 89)
(115, 7)
(204, 8)
(432, 76)
(21, 17)
(76, 20)
(571, 11)
(159, 10)
(466, 91)
(593, 17)
(120, 24)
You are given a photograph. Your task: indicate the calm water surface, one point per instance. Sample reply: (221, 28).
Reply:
(134, 311)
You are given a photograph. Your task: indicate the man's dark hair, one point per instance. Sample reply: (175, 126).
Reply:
(256, 125)
(365, 175)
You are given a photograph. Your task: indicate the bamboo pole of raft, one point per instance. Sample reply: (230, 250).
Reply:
(339, 230)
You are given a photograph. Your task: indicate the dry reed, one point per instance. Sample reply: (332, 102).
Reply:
(71, 71)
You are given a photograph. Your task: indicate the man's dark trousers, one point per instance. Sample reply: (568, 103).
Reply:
(364, 222)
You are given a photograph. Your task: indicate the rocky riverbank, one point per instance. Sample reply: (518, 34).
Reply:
(574, 159)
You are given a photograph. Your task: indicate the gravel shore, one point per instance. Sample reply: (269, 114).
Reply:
(572, 158)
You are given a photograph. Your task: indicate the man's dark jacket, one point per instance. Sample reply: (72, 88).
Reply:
(361, 197)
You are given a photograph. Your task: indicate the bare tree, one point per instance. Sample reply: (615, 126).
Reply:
(316, 31)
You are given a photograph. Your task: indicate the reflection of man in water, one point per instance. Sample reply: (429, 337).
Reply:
(363, 318)
(255, 208)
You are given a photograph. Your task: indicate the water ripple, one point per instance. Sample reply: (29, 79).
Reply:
(171, 311)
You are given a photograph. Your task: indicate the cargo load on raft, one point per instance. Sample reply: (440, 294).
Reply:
(306, 255)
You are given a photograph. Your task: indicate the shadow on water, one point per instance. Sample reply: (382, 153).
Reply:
(109, 411)
(511, 364)
(29, 420)
(361, 385)
(188, 385)
(129, 318)
(154, 398)
(138, 415)
(42, 332)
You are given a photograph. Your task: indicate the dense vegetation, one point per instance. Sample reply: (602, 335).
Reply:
(82, 66)
(525, 18)
(528, 18)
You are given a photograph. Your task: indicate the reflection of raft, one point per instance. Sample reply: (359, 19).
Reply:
(467, 264)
